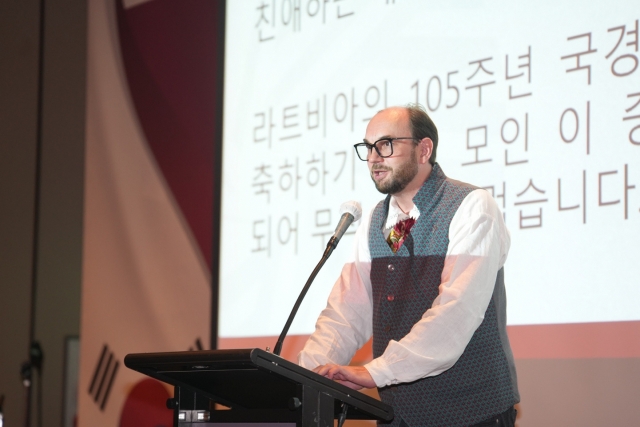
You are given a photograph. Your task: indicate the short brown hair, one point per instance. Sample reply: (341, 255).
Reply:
(423, 127)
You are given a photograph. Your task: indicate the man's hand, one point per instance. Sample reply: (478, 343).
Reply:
(355, 377)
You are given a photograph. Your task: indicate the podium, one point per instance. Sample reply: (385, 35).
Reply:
(256, 386)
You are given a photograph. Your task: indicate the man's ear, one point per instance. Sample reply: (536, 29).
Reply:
(426, 149)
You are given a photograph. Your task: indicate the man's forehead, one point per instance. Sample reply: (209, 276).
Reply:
(387, 124)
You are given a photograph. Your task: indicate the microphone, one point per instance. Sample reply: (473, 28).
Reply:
(351, 211)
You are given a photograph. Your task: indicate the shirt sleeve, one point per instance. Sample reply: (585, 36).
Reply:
(478, 247)
(345, 324)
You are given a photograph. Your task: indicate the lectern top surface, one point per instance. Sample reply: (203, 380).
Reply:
(249, 379)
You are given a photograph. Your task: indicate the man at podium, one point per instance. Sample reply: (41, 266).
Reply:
(426, 281)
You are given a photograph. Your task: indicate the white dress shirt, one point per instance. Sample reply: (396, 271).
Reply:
(478, 247)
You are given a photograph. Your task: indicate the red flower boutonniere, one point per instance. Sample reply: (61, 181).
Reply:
(399, 232)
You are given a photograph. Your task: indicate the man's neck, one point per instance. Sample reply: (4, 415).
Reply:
(404, 204)
(405, 197)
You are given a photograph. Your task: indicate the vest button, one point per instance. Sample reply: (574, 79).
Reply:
(390, 297)
(387, 328)
(390, 267)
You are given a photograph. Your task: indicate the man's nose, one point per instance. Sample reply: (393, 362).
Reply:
(374, 157)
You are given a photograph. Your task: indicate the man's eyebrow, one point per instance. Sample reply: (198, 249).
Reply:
(382, 137)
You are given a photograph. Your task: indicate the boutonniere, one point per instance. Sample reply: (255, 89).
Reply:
(399, 232)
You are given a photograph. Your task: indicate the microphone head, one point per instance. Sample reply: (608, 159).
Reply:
(353, 208)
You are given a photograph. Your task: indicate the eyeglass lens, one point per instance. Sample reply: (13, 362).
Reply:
(384, 147)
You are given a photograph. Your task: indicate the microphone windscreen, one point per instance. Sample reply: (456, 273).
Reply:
(353, 208)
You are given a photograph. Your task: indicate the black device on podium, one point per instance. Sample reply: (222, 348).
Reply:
(256, 386)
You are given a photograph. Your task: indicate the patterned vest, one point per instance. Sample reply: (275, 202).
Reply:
(482, 383)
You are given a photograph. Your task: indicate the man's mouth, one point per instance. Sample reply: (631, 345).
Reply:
(379, 174)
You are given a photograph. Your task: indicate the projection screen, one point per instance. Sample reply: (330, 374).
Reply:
(538, 102)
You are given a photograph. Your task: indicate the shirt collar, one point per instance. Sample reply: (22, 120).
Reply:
(396, 215)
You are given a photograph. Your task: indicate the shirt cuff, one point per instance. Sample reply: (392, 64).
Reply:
(380, 372)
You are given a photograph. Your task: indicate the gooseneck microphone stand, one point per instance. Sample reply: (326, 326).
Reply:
(333, 242)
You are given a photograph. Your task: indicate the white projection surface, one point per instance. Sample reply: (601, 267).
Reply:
(537, 101)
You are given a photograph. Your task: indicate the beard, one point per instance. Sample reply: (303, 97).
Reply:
(399, 176)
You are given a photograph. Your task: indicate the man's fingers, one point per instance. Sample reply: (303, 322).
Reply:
(355, 377)
(349, 384)
(320, 369)
(339, 373)
(323, 370)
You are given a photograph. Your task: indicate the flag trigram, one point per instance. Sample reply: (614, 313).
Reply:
(103, 377)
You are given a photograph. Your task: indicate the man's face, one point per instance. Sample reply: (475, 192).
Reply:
(392, 174)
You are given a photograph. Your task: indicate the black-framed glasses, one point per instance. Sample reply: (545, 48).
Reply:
(383, 146)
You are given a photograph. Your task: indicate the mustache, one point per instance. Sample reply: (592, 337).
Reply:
(380, 168)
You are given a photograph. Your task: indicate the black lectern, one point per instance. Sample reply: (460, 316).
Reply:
(256, 386)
